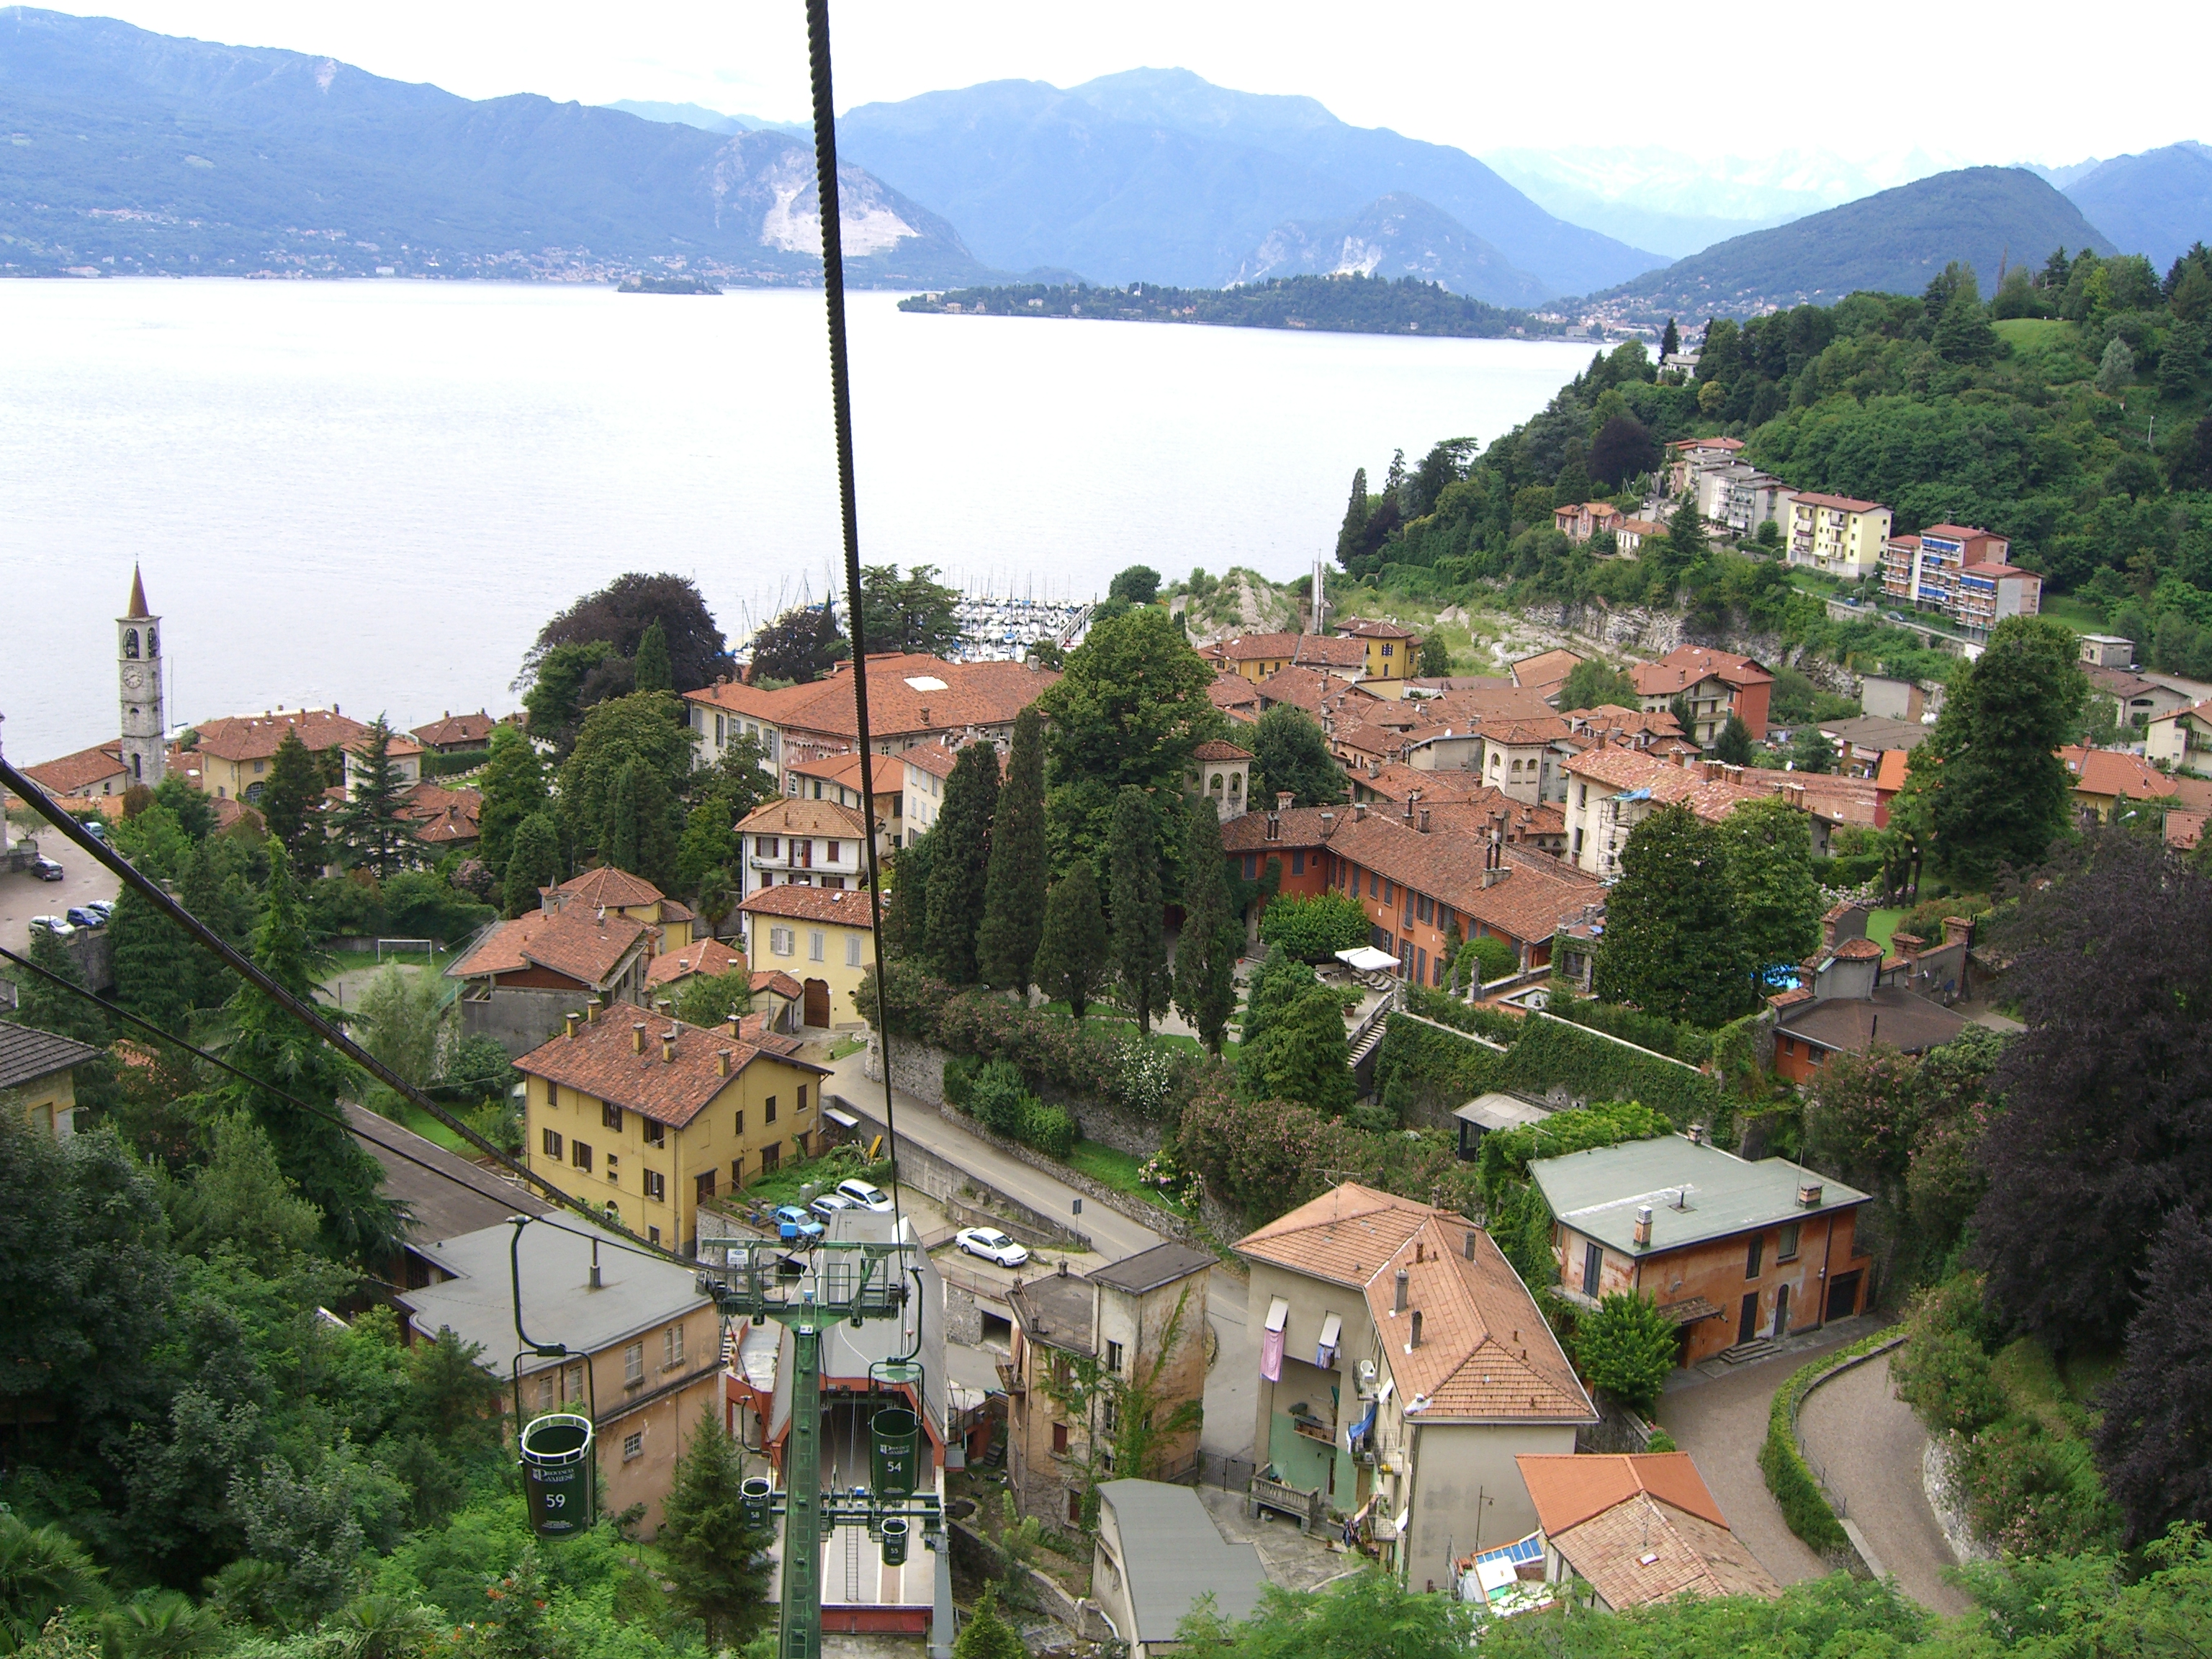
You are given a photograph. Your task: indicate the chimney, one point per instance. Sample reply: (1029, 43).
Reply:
(1274, 826)
(1425, 820)
(569, 1019)
(1063, 1267)
(1468, 1247)
(1908, 947)
(592, 1008)
(1398, 1295)
(637, 1037)
(1957, 930)
(1359, 811)
(667, 1047)
(722, 1061)
(1808, 1195)
(736, 1024)
(1283, 799)
(1643, 1227)
(663, 1005)
(1416, 1341)
(596, 1285)
(1327, 825)
(1411, 795)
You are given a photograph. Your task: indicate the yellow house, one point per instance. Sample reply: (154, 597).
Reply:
(236, 752)
(648, 1117)
(819, 936)
(1255, 656)
(625, 895)
(1839, 535)
(38, 1076)
(1393, 653)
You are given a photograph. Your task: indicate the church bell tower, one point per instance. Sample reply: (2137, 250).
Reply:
(138, 670)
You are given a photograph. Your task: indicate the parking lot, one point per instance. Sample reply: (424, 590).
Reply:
(23, 895)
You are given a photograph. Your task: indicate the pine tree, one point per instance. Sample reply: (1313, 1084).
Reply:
(986, 1635)
(1352, 538)
(154, 962)
(376, 837)
(1670, 342)
(1205, 954)
(1733, 746)
(653, 672)
(514, 787)
(1133, 856)
(959, 869)
(1014, 898)
(202, 892)
(292, 803)
(534, 863)
(331, 1170)
(1671, 946)
(1071, 958)
(717, 1558)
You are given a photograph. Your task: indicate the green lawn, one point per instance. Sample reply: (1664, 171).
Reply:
(1117, 1169)
(2079, 614)
(414, 1117)
(1880, 924)
(343, 962)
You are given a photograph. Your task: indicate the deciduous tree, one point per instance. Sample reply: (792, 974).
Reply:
(618, 615)
(1020, 866)
(1137, 585)
(1627, 1348)
(1776, 898)
(800, 647)
(1436, 659)
(514, 787)
(1670, 943)
(1290, 752)
(2154, 1434)
(638, 819)
(1593, 683)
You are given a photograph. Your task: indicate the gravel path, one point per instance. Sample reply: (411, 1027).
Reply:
(1867, 1445)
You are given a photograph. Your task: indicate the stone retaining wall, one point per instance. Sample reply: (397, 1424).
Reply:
(968, 1200)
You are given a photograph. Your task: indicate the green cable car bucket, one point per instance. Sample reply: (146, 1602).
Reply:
(896, 1532)
(557, 1470)
(894, 1451)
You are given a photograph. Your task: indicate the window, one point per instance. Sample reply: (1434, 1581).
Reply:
(781, 941)
(553, 1145)
(802, 1096)
(1074, 1507)
(1389, 892)
(614, 1177)
(814, 944)
(703, 1185)
(1386, 647)
(1374, 884)
(634, 1444)
(768, 847)
(634, 1365)
(852, 950)
(671, 1347)
(655, 1134)
(580, 1154)
(1112, 1356)
(741, 1123)
(1420, 967)
(771, 1157)
(1251, 867)
(1786, 1249)
(1428, 908)
(1440, 978)
(656, 1187)
(1593, 1268)
(831, 856)
(1751, 1256)
(1060, 1371)
(652, 1235)
(768, 1112)
(1059, 1442)
(609, 1116)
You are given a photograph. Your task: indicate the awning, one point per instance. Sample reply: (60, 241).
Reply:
(1366, 959)
(842, 1119)
(1271, 1340)
(1690, 1311)
(1332, 1333)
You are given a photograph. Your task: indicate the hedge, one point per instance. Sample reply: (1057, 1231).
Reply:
(1788, 1477)
(1551, 1052)
(1433, 1066)
(1445, 1010)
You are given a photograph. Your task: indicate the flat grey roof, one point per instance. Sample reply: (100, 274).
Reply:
(1173, 1553)
(1148, 1270)
(1497, 1110)
(637, 1292)
(464, 1199)
(1598, 1193)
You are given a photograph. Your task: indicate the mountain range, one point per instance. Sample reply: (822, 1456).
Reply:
(1893, 240)
(131, 151)
(2158, 203)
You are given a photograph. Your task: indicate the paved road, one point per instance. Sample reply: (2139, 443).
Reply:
(1228, 1386)
(1867, 1445)
(1721, 1423)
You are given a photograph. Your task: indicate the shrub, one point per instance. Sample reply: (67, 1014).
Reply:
(1661, 1440)
(1788, 1477)
(1050, 1129)
(1550, 1053)
(960, 1079)
(1488, 955)
(1494, 1024)
(1943, 1369)
(1505, 1154)
(1315, 929)
(1686, 1043)
(999, 1099)
(1627, 1347)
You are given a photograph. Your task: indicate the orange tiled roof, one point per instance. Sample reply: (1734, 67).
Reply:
(775, 980)
(1731, 444)
(794, 816)
(1545, 668)
(1569, 1488)
(1368, 627)
(710, 957)
(74, 774)
(2115, 773)
(1688, 665)
(907, 694)
(574, 942)
(1711, 798)
(2185, 830)
(456, 728)
(609, 888)
(1889, 772)
(933, 758)
(603, 1060)
(848, 905)
(1213, 749)
(255, 737)
(1306, 650)
(1840, 503)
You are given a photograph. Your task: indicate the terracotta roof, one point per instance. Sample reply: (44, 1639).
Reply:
(1213, 749)
(1639, 527)
(448, 828)
(574, 942)
(1889, 774)
(1731, 444)
(1545, 668)
(2115, 773)
(1394, 780)
(845, 770)
(710, 957)
(396, 747)
(1369, 739)
(846, 905)
(2118, 681)
(1234, 696)
(2185, 830)
(1842, 503)
(1903, 1019)
(1644, 1550)
(791, 816)
(602, 1061)
(1521, 733)
(1961, 531)
(27, 1054)
(1306, 650)
(1367, 627)
(1687, 665)
(775, 980)
(456, 728)
(607, 887)
(255, 737)
(1314, 690)
(933, 758)
(907, 694)
(1569, 1488)
(74, 774)
(1711, 798)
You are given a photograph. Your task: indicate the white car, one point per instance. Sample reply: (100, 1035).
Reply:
(53, 925)
(991, 1245)
(865, 1195)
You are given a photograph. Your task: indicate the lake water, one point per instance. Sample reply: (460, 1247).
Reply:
(373, 494)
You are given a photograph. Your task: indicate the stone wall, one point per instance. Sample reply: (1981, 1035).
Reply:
(520, 1019)
(968, 1199)
(918, 1069)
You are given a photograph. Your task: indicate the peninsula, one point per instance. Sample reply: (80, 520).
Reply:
(1349, 304)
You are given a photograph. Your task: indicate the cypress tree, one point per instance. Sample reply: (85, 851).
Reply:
(1071, 957)
(906, 911)
(292, 804)
(1206, 954)
(653, 671)
(959, 869)
(1352, 538)
(1132, 852)
(513, 788)
(1014, 898)
(1671, 341)
(535, 862)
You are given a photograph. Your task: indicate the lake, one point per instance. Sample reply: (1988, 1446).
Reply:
(372, 495)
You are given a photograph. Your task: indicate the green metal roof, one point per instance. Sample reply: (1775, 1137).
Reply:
(1696, 1193)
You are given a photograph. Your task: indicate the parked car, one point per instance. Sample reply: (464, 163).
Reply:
(828, 1204)
(104, 909)
(96, 828)
(53, 925)
(47, 870)
(84, 915)
(792, 1222)
(991, 1245)
(865, 1195)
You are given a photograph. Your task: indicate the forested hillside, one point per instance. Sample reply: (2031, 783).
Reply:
(2069, 412)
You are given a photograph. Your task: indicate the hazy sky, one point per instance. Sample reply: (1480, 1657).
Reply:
(1871, 79)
